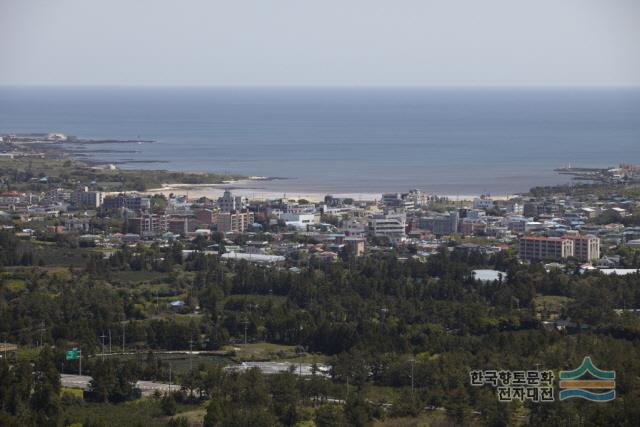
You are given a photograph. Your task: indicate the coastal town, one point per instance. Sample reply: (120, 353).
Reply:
(188, 280)
(587, 231)
(319, 214)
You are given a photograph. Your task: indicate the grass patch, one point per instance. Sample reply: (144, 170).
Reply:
(77, 392)
(194, 417)
(180, 362)
(382, 394)
(428, 419)
(260, 351)
(15, 285)
(264, 351)
(137, 276)
(146, 412)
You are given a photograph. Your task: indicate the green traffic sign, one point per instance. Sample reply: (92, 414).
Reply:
(73, 354)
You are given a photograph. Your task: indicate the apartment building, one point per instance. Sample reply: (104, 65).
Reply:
(132, 202)
(207, 216)
(586, 248)
(517, 224)
(178, 225)
(147, 225)
(78, 224)
(442, 224)
(84, 198)
(235, 221)
(537, 247)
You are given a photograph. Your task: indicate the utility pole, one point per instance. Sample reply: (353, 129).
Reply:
(347, 387)
(123, 336)
(246, 323)
(109, 341)
(169, 377)
(190, 354)
(412, 363)
(80, 362)
(41, 332)
(103, 336)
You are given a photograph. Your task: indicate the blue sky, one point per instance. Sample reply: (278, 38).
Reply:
(320, 43)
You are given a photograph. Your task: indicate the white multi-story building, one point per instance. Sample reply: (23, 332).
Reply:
(418, 198)
(299, 219)
(482, 203)
(305, 208)
(585, 248)
(392, 226)
(397, 200)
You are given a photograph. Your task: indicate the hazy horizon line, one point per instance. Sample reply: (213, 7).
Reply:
(430, 87)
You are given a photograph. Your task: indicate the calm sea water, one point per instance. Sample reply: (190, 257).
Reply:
(447, 141)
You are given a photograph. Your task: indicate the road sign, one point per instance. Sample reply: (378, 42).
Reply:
(73, 354)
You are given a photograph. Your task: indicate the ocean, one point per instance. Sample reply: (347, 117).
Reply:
(444, 141)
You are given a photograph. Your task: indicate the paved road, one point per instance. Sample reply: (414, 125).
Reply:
(75, 381)
(147, 387)
(304, 369)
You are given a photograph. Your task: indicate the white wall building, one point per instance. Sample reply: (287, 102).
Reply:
(482, 203)
(391, 226)
(300, 218)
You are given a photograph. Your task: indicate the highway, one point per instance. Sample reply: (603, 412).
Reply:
(147, 387)
(302, 369)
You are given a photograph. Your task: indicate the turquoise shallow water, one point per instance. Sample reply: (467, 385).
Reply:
(348, 140)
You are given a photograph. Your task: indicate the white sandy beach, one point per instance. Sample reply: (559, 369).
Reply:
(248, 189)
(213, 191)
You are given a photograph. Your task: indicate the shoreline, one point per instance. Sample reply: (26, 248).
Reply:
(79, 149)
(213, 191)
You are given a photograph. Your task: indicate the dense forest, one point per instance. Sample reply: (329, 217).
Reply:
(400, 336)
